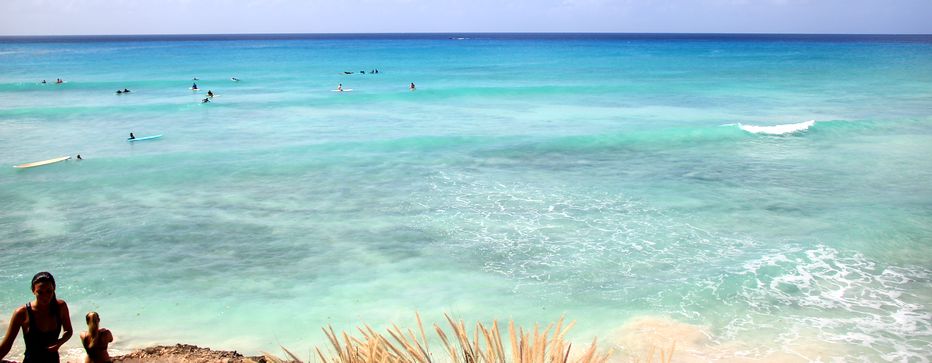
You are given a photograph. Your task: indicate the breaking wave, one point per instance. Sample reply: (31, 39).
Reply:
(778, 129)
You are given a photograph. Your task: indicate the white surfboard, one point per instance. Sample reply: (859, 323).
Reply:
(343, 90)
(43, 162)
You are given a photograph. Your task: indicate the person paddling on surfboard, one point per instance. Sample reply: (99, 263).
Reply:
(205, 100)
(131, 136)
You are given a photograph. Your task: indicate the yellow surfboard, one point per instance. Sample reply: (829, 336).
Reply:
(43, 162)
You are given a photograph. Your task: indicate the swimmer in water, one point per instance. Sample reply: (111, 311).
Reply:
(210, 94)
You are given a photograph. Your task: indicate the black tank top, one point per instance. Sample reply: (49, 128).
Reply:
(38, 342)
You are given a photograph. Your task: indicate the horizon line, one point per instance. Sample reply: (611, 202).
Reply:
(456, 32)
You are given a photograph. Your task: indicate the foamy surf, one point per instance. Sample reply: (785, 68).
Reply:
(778, 129)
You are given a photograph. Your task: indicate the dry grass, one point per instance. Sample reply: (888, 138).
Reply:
(664, 355)
(483, 345)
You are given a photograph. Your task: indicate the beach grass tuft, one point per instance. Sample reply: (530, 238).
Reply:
(483, 345)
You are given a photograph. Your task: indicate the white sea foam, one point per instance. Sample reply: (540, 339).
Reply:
(871, 308)
(777, 129)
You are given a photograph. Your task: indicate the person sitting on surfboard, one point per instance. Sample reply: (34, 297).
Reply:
(210, 94)
(125, 90)
(79, 157)
(412, 86)
(194, 86)
(131, 136)
(340, 87)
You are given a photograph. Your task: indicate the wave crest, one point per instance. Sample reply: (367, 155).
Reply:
(778, 129)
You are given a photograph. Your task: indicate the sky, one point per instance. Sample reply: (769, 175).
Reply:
(97, 17)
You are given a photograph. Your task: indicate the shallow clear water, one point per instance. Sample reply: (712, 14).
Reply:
(605, 178)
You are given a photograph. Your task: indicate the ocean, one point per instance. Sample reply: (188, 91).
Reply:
(753, 197)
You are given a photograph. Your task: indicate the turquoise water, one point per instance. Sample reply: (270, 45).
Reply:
(612, 179)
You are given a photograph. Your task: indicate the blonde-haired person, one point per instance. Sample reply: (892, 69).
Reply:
(96, 340)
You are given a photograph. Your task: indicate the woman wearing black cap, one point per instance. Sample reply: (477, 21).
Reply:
(42, 321)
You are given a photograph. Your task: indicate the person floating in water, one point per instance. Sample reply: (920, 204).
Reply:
(340, 87)
(119, 92)
(79, 157)
(210, 94)
(194, 86)
(205, 100)
(45, 322)
(95, 340)
(125, 90)
(44, 82)
(131, 136)
(412, 86)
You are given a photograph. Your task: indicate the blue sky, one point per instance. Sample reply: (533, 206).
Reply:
(57, 17)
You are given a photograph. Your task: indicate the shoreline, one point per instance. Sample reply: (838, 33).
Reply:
(186, 353)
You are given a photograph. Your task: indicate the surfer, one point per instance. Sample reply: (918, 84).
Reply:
(95, 340)
(59, 81)
(195, 78)
(210, 94)
(44, 82)
(79, 157)
(205, 100)
(119, 92)
(125, 90)
(131, 136)
(194, 86)
(234, 79)
(340, 87)
(412, 86)
(41, 321)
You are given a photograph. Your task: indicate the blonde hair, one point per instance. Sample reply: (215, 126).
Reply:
(93, 325)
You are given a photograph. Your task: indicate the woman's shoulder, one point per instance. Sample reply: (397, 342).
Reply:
(19, 315)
